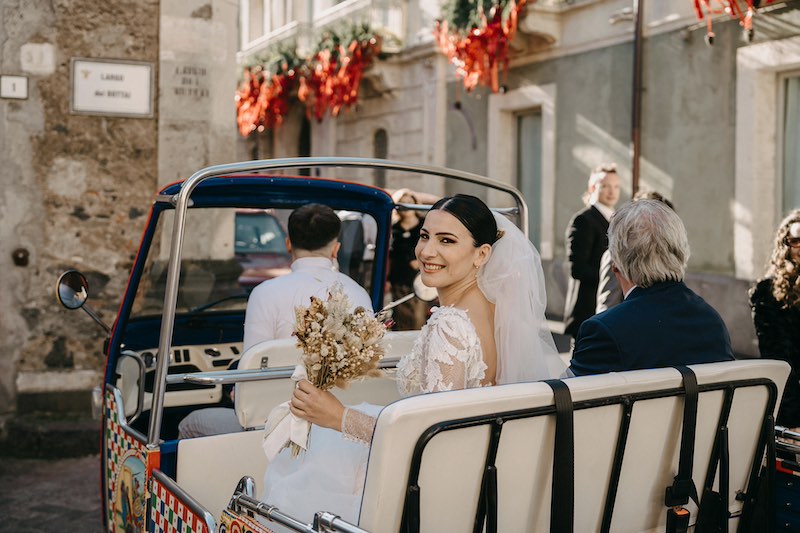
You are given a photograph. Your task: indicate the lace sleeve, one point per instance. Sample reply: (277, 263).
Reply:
(451, 371)
(358, 426)
(454, 359)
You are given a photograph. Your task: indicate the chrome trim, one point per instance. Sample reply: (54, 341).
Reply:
(323, 521)
(781, 431)
(179, 224)
(187, 500)
(425, 207)
(140, 400)
(786, 433)
(123, 421)
(246, 486)
(226, 377)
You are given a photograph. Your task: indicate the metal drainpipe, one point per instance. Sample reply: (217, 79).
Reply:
(636, 114)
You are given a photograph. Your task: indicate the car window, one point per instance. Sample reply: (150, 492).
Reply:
(228, 251)
(259, 232)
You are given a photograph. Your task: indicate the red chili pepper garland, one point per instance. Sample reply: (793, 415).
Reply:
(706, 9)
(334, 75)
(479, 53)
(327, 82)
(247, 105)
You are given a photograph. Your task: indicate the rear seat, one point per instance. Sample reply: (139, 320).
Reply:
(209, 468)
(453, 461)
(255, 399)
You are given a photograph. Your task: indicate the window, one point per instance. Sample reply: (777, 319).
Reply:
(529, 168)
(790, 145)
(767, 140)
(259, 232)
(256, 28)
(380, 149)
(521, 146)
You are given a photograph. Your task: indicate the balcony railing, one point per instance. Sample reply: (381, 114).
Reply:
(388, 16)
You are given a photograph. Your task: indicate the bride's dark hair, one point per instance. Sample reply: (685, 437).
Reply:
(474, 214)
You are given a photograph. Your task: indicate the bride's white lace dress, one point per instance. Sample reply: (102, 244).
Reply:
(330, 475)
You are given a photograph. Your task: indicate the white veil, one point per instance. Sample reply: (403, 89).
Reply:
(513, 280)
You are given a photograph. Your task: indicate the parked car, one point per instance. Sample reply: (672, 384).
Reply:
(260, 247)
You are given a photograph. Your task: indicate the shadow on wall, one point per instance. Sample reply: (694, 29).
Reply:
(729, 296)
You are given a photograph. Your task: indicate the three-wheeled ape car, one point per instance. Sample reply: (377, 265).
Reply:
(618, 452)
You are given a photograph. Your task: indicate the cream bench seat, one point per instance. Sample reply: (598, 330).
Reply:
(255, 399)
(453, 431)
(208, 468)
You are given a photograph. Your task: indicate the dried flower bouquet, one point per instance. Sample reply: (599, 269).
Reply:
(339, 346)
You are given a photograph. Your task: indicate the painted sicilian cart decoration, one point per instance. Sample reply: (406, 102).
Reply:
(126, 459)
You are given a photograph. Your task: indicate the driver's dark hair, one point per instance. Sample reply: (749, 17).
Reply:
(313, 226)
(474, 214)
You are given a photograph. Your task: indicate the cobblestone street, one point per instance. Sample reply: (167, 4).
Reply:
(41, 495)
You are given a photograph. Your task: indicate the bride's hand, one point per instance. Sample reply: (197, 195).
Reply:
(318, 407)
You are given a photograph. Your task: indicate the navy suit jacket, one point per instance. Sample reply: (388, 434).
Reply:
(663, 325)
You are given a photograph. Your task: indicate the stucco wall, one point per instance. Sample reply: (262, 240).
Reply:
(688, 142)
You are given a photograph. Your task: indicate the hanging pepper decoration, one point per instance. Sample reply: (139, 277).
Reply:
(477, 43)
(706, 9)
(247, 100)
(333, 74)
(327, 82)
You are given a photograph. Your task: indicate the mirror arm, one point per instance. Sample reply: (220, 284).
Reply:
(395, 303)
(140, 400)
(91, 312)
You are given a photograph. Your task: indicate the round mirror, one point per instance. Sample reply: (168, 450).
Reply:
(72, 289)
(423, 292)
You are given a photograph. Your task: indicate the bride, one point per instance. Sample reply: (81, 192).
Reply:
(489, 329)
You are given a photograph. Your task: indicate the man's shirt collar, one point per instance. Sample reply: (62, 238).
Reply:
(604, 210)
(309, 263)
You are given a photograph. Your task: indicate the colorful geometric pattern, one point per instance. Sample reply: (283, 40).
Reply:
(234, 523)
(118, 447)
(168, 514)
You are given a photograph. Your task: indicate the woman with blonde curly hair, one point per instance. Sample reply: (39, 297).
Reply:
(775, 301)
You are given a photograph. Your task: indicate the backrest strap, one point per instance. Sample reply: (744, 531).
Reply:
(683, 486)
(562, 506)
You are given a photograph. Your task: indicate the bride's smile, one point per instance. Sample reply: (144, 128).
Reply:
(446, 251)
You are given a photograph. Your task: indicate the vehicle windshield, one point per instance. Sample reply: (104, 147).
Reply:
(228, 251)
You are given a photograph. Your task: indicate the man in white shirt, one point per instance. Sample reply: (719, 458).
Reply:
(314, 243)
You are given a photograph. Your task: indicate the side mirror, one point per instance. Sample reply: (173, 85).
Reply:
(72, 291)
(421, 291)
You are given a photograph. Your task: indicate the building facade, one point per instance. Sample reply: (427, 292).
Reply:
(718, 122)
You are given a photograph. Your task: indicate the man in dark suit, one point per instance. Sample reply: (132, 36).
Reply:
(586, 242)
(661, 322)
(608, 292)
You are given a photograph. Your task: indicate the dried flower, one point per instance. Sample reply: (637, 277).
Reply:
(339, 345)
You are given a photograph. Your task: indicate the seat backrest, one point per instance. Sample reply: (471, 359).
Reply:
(454, 455)
(209, 468)
(255, 399)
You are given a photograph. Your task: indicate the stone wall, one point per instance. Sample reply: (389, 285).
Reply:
(75, 188)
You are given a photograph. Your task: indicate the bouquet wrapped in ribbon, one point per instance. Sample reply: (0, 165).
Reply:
(339, 345)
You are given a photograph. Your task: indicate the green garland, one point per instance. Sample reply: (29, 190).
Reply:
(464, 15)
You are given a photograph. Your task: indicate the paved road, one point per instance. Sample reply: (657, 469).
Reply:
(38, 495)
